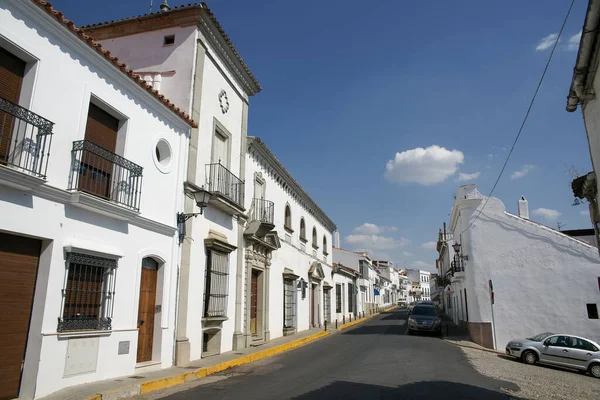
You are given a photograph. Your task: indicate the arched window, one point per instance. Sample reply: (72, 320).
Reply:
(325, 245)
(288, 218)
(314, 239)
(302, 230)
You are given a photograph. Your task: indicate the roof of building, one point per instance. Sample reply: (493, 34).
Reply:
(252, 87)
(579, 232)
(585, 70)
(302, 196)
(70, 25)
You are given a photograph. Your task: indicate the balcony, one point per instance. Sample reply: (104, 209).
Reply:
(261, 217)
(457, 270)
(104, 182)
(227, 189)
(25, 140)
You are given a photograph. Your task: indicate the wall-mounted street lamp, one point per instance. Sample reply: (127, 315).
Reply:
(456, 247)
(201, 196)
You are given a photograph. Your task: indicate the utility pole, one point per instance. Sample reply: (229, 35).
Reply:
(560, 226)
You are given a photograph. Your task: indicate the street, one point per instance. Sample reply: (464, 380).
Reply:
(375, 360)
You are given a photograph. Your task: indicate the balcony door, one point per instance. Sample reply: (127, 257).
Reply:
(221, 149)
(12, 70)
(95, 171)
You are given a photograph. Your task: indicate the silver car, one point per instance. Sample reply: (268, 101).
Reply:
(558, 349)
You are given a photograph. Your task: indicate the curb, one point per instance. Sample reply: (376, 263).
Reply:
(358, 321)
(473, 347)
(162, 383)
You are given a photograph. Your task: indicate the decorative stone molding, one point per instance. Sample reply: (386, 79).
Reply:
(217, 241)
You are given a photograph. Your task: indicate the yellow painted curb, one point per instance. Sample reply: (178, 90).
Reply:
(202, 372)
(95, 397)
(358, 321)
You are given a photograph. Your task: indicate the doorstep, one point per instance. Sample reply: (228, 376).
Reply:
(129, 386)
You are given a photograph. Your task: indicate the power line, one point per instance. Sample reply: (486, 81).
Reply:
(537, 89)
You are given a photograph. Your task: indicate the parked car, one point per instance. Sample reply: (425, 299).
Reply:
(424, 318)
(410, 306)
(427, 302)
(559, 350)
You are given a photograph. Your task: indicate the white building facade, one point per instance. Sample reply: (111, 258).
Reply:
(92, 166)
(289, 281)
(542, 280)
(419, 280)
(186, 51)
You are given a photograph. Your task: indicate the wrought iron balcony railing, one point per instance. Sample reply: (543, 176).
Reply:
(25, 139)
(262, 210)
(221, 181)
(107, 175)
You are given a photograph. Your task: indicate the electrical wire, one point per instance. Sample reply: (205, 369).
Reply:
(537, 89)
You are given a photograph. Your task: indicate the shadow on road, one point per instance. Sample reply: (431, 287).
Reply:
(413, 391)
(394, 316)
(377, 330)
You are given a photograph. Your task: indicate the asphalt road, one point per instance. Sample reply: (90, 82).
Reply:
(375, 360)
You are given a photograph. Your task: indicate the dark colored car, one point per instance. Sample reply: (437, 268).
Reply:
(424, 318)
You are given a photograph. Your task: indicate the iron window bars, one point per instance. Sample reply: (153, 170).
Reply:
(338, 298)
(327, 304)
(217, 278)
(25, 139)
(107, 175)
(289, 303)
(350, 298)
(88, 293)
(221, 181)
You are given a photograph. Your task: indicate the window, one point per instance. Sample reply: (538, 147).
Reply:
(289, 303)
(582, 344)
(338, 298)
(327, 304)
(325, 245)
(302, 230)
(88, 295)
(350, 297)
(168, 40)
(363, 269)
(220, 150)
(314, 238)
(592, 310)
(288, 218)
(217, 276)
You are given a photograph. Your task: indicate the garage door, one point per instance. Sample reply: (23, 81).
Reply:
(19, 258)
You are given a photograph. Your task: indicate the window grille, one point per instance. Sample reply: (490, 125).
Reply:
(217, 277)
(338, 298)
(289, 303)
(88, 293)
(350, 293)
(327, 305)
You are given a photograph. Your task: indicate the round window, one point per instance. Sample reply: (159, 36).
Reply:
(162, 156)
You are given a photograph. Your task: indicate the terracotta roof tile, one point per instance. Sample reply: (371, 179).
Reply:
(70, 25)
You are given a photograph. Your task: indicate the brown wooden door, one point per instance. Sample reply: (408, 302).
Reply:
(95, 172)
(19, 258)
(146, 311)
(253, 302)
(12, 70)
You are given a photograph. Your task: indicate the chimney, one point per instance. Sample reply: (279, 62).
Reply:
(164, 6)
(336, 239)
(523, 208)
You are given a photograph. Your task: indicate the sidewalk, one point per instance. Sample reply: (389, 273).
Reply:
(458, 336)
(135, 384)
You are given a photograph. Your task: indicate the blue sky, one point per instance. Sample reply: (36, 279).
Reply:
(349, 84)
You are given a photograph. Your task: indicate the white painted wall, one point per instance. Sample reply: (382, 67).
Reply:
(292, 254)
(542, 278)
(68, 70)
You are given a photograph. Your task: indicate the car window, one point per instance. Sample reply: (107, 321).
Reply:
(583, 345)
(425, 310)
(560, 341)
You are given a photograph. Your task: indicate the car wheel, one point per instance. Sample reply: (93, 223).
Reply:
(529, 357)
(595, 370)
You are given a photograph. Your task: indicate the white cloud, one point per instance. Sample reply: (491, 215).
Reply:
(585, 212)
(522, 172)
(376, 242)
(490, 156)
(372, 229)
(573, 43)
(463, 177)
(547, 42)
(423, 265)
(407, 254)
(428, 166)
(429, 245)
(548, 213)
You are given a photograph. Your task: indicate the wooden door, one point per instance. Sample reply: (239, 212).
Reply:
(147, 310)
(253, 302)
(312, 305)
(19, 258)
(95, 172)
(12, 70)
